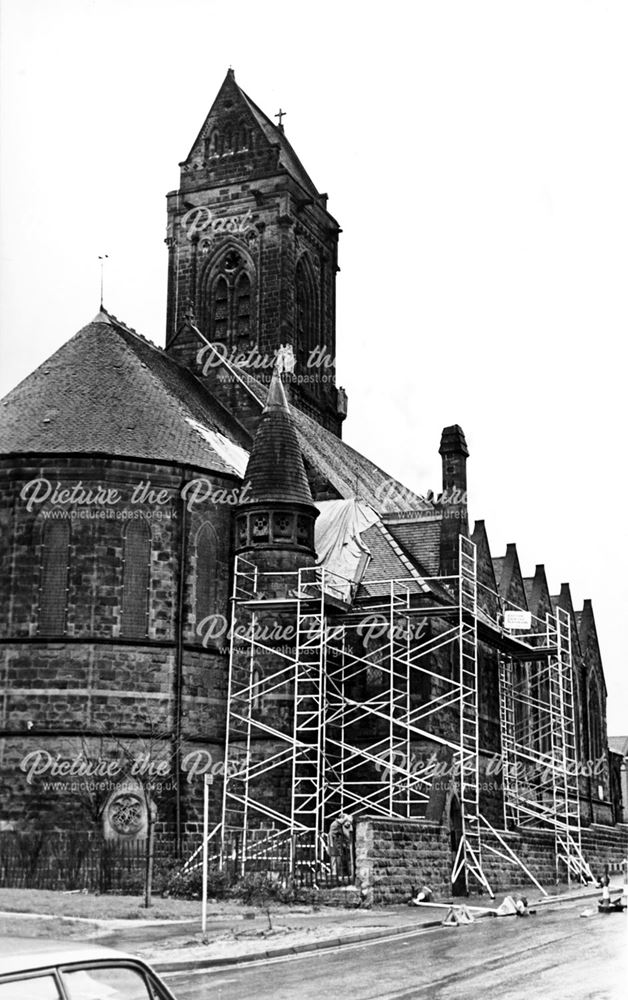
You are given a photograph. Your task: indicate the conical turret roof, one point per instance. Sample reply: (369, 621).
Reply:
(275, 471)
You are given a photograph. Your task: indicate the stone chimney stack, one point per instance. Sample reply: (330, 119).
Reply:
(453, 501)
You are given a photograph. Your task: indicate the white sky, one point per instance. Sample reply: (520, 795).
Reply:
(476, 157)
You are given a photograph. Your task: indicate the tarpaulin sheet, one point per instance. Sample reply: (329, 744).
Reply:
(339, 545)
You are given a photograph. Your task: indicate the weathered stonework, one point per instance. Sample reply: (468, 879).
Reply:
(245, 207)
(89, 677)
(393, 857)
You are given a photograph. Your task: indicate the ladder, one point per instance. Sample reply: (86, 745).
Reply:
(235, 804)
(565, 753)
(508, 739)
(399, 701)
(470, 854)
(309, 707)
(553, 799)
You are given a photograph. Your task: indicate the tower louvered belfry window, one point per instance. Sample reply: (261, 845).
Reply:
(220, 308)
(227, 306)
(54, 578)
(306, 317)
(233, 137)
(136, 579)
(242, 306)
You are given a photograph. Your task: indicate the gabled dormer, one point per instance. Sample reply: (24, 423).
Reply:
(487, 584)
(538, 594)
(509, 579)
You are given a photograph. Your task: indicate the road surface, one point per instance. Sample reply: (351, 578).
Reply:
(556, 954)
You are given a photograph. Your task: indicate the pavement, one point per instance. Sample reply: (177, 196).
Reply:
(252, 935)
(554, 954)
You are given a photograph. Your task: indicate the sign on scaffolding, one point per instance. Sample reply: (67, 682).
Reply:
(517, 620)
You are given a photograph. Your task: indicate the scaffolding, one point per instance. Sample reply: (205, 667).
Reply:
(337, 708)
(539, 744)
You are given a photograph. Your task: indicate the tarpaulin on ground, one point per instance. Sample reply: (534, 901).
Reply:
(340, 549)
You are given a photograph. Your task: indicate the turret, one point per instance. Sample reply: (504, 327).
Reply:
(275, 521)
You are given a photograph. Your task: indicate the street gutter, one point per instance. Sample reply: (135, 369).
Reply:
(196, 964)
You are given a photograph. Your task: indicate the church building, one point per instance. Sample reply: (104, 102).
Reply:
(166, 517)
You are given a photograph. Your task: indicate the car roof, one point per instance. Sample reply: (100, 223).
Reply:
(19, 954)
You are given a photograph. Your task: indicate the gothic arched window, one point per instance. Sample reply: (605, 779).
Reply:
(242, 309)
(136, 579)
(228, 306)
(596, 747)
(54, 578)
(214, 143)
(577, 713)
(306, 314)
(241, 136)
(205, 592)
(220, 308)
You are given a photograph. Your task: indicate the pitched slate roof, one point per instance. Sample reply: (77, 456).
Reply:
(232, 96)
(275, 470)
(349, 473)
(420, 538)
(539, 598)
(109, 391)
(508, 575)
(563, 600)
(589, 642)
(388, 562)
(488, 599)
(287, 156)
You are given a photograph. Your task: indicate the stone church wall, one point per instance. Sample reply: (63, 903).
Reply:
(395, 856)
(98, 663)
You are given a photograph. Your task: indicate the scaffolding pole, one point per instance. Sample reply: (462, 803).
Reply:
(540, 756)
(351, 718)
(470, 855)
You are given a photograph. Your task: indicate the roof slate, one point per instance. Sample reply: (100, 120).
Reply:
(109, 391)
(275, 470)
(420, 539)
(349, 473)
(387, 563)
(231, 95)
(287, 156)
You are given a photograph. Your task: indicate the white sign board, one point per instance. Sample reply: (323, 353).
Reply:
(517, 619)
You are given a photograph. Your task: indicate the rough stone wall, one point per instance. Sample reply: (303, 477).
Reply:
(88, 678)
(599, 809)
(393, 856)
(604, 845)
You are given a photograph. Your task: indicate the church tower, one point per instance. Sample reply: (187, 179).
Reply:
(253, 255)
